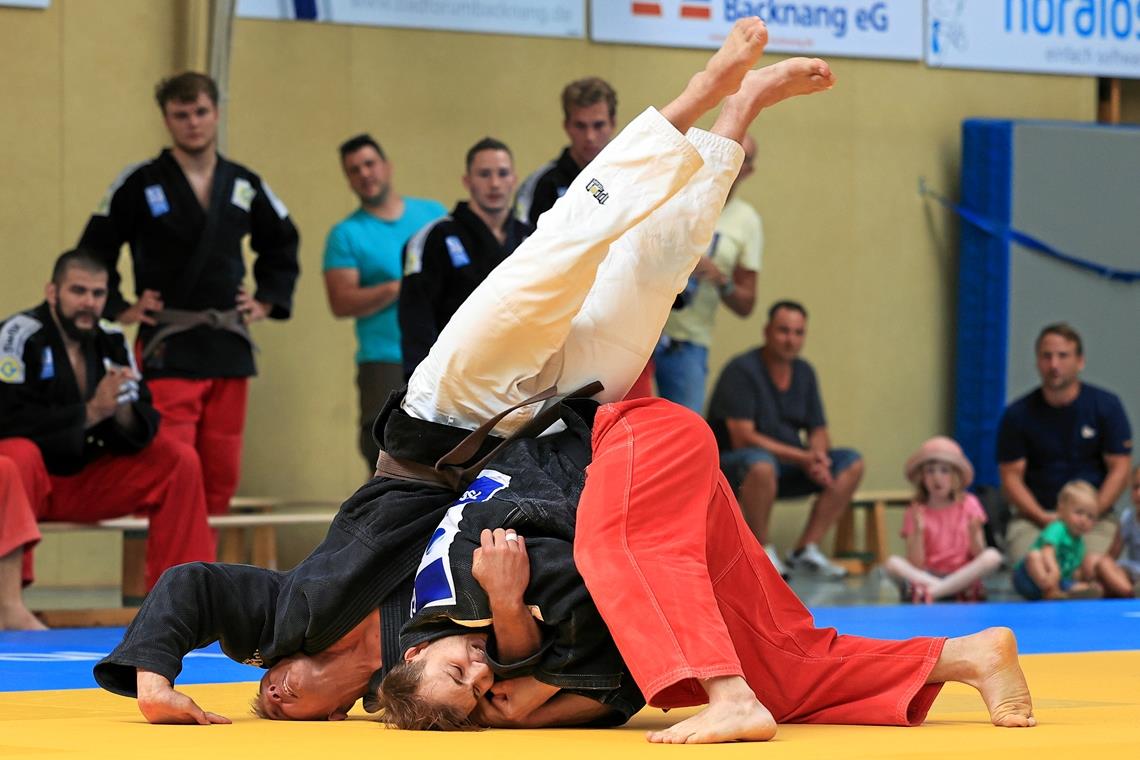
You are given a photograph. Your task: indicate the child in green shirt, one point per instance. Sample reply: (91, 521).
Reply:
(1056, 566)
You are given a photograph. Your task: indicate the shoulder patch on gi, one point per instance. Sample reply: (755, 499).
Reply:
(104, 207)
(434, 586)
(156, 199)
(243, 194)
(414, 260)
(274, 201)
(14, 334)
(456, 251)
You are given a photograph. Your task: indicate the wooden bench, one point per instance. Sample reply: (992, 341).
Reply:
(874, 550)
(248, 534)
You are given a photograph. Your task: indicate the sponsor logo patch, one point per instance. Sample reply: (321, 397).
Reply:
(598, 190)
(47, 370)
(456, 251)
(156, 199)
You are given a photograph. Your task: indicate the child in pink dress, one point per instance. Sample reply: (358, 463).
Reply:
(946, 552)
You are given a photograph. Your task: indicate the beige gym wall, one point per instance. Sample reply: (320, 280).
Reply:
(836, 183)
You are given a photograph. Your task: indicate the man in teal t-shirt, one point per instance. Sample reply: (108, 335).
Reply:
(362, 268)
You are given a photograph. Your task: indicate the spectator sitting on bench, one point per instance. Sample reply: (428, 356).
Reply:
(77, 422)
(765, 403)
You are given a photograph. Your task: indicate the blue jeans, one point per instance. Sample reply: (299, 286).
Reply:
(1024, 585)
(792, 480)
(682, 369)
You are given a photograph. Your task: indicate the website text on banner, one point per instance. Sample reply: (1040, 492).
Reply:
(533, 18)
(1077, 37)
(856, 28)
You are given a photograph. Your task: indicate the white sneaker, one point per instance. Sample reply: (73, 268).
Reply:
(812, 560)
(774, 557)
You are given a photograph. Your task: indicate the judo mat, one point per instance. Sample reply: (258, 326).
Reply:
(1082, 660)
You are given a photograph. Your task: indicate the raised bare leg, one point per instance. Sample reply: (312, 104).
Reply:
(721, 76)
(14, 616)
(734, 714)
(988, 661)
(764, 88)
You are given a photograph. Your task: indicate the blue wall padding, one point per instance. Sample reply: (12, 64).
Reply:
(983, 294)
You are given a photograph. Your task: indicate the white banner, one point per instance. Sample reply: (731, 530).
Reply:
(27, 3)
(535, 18)
(1078, 37)
(855, 28)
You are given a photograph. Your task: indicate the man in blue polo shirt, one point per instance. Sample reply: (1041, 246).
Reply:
(362, 269)
(1063, 430)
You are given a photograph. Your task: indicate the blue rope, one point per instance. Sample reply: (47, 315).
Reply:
(995, 229)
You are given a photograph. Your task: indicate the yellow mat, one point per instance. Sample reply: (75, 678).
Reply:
(1088, 706)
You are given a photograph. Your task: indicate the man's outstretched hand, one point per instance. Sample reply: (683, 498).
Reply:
(160, 703)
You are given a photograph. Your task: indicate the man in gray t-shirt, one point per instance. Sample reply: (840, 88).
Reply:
(767, 416)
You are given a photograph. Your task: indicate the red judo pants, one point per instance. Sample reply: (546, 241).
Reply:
(163, 481)
(209, 416)
(689, 594)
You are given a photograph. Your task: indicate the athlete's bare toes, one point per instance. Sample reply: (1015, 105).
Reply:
(740, 51)
(791, 77)
(727, 722)
(1001, 680)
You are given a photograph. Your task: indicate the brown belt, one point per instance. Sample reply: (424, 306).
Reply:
(176, 321)
(452, 470)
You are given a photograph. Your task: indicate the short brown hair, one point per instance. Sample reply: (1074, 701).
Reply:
(404, 708)
(185, 88)
(584, 93)
(1065, 330)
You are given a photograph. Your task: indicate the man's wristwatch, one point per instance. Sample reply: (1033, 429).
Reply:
(727, 288)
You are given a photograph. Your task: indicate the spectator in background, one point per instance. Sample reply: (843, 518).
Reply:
(446, 260)
(589, 117)
(185, 215)
(1126, 546)
(1057, 565)
(362, 268)
(77, 425)
(946, 552)
(727, 274)
(767, 415)
(1063, 430)
(589, 110)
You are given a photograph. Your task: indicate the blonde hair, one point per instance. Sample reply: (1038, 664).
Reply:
(1076, 492)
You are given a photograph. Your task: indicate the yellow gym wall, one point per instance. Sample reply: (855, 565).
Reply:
(836, 183)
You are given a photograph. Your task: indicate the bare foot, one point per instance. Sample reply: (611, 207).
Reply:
(20, 619)
(740, 51)
(733, 715)
(764, 88)
(721, 76)
(988, 661)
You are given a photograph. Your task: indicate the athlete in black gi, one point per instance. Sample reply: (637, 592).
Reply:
(184, 215)
(446, 260)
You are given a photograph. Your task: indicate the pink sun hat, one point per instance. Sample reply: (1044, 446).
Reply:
(939, 449)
